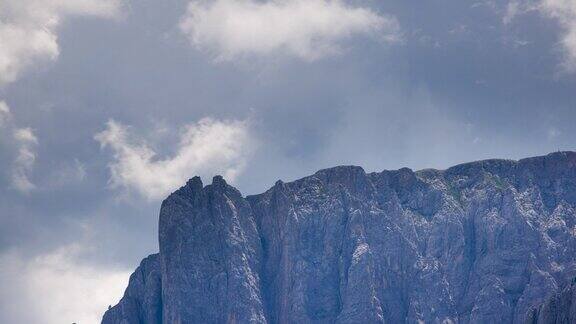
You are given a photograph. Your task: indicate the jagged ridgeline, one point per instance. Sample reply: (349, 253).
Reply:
(484, 242)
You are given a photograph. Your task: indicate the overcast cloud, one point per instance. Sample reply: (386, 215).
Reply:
(107, 106)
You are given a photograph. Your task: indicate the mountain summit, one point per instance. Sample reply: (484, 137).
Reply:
(482, 242)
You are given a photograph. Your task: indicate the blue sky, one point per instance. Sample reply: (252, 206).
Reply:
(107, 106)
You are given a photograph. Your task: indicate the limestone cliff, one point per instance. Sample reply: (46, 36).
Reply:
(482, 242)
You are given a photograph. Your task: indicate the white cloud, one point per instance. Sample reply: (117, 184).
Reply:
(205, 148)
(25, 135)
(516, 8)
(307, 29)
(512, 10)
(5, 114)
(24, 163)
(55, 288)
(28, 30)
(25, 142)
(565, 12)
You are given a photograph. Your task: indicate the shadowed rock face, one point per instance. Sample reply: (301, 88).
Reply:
(559, 308)
(482, 242)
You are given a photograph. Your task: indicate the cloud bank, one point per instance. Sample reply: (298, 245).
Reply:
(206, 148)
(28, 30)
(306, 29)
(55, 288)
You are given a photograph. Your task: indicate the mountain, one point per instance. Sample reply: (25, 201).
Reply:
(481, 242)
(560, 308)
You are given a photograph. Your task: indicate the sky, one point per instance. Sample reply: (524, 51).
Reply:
(107, 106)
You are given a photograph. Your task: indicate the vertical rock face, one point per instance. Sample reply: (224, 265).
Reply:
(210, 256)
(142, 301)
(559, 308)
(480, 242)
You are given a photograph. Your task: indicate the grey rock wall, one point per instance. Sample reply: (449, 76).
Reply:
(560, 308)
(482, 242)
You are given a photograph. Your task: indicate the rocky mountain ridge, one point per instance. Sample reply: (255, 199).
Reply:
(480, 242)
